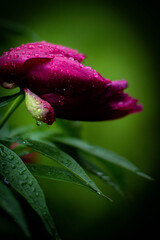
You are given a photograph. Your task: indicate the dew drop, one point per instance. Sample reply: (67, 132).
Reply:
(13, 166)
(31, 46)
(36, 55)
(30, 183)
(11, 157)
(17, 48)
(38, 123)
(5, 181)
(15, 55)
(22, 183)
(3, 154)
(37, 194)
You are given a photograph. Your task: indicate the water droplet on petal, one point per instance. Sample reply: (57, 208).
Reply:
(15, 55)
(36, 55)
(31, 46)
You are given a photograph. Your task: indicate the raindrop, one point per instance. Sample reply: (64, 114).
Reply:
(22, 171)
(22, 183)
(6, 181)
(30, 183)
(25, 177)
(3, 154)
(15, 55)
(13, 166)
(38, 123)
(17, 48)
(31, 46)
(37, 194)
(11, 157)
(36, 55)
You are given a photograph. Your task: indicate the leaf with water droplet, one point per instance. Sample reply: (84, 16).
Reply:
(53, 152)
(104, 155)
(16, 177)
(56, 173)
(11, 205)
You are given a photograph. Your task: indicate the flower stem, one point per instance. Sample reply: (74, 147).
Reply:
(11, 109)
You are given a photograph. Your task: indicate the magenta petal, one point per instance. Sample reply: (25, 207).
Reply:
(54, 74)
(11, 62)
(64, 75)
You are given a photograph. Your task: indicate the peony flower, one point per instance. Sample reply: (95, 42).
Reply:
(57, 84)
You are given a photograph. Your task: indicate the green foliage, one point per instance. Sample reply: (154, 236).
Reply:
(7, 99)
(103, 154)
(11, 205)
(15, 171)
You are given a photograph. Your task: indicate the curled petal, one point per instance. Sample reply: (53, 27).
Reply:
(64, 75)
(12, 62)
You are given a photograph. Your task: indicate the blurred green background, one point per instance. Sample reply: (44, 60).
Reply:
(121, 41)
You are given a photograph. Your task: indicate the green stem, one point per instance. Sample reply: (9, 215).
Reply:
(11, 109)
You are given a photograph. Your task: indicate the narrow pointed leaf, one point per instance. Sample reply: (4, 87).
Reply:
(53, 152)
(94, 169)
(11, 205)
(20, 178)
(56, 173)
(103, 154)
(7, 99)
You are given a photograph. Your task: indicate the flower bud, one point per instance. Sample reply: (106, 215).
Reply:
(38, 108)
(54, 75)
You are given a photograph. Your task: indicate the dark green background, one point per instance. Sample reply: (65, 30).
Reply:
(121, 41)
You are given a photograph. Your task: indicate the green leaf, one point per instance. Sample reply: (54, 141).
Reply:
(10, 204)
(53, 152)
(22, 150)
(94, 169)
(20, 178)
(7, 99)
(56, 173)
(22, 130)
(103, 154)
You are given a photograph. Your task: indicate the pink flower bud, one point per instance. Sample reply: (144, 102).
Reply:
(55, 75)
